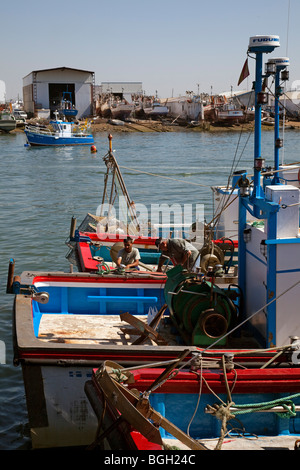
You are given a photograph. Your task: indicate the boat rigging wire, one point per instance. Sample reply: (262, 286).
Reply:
(165, 177)
(226, 197)
(253, 314)
(234, 158)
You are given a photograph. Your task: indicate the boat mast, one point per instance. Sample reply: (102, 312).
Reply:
(280, 72)
(113, 167)
(256, 203)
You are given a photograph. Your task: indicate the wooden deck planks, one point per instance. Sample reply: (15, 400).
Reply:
(88, 329)
(95, 329)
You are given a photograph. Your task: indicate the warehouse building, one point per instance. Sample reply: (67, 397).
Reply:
(124, 90)
(43, 91)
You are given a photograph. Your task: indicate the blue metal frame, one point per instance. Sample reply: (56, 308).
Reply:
(258, 206)
(257, 192)
(276, 130)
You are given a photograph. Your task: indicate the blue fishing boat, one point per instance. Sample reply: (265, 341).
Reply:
(67, 107)
(207, 352)
(59, 133)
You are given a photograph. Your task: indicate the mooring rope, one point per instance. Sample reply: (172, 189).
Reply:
(285, 402)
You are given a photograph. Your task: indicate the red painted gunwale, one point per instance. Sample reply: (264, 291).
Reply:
(240, 381)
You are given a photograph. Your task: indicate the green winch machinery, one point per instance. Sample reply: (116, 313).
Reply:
(200, 310)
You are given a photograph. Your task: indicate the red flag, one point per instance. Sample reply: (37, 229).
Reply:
(244, 73)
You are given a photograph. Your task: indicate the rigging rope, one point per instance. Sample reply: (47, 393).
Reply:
(285, 402)
(165, 177)
(225, 197)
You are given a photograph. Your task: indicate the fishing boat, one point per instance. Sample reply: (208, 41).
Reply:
(196, 409)
(114, 107)
(220, 110)
(67, 107)
(121, 109)
(227, 336)
(229, 113)
(58, 133)
(90, 251)
(7, 121)
(154, 109)
(100, 237)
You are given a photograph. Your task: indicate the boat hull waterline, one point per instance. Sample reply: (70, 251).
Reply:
(40, 140)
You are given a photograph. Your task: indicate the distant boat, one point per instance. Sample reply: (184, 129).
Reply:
(104, 109)
(115, 108)
(67, 107)
(20, 117)
(60, 133)
(149, 106)
(156, 109)
(121, 110)
(219, 110)
(229, 113)
(7, 121)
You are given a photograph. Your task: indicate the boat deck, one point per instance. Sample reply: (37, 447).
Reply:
(110, 330)
(94, 329)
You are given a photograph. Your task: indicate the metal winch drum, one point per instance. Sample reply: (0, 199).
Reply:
(200, 310)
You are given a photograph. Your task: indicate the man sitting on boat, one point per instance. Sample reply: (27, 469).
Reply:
(128, 256)
(179, 251)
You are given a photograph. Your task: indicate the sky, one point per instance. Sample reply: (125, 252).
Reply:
(170, 46)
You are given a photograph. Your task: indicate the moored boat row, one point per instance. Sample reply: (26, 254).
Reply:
(225, 334)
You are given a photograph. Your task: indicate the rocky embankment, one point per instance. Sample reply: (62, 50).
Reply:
(113, 126)
(104, 125)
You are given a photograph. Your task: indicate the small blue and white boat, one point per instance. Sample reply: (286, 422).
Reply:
(60, 133)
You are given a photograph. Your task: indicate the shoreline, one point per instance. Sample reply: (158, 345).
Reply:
(103, 125)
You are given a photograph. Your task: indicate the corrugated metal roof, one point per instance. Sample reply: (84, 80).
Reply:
(59, 68)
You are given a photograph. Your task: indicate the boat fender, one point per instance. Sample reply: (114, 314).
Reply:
(93, 149)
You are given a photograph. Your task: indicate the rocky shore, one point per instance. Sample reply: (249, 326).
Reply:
(110, 126)
(104, 125)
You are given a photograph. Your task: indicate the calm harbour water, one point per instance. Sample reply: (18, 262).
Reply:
(42, 188)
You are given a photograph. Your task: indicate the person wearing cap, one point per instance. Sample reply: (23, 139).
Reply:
(179, 251)
(128, 256)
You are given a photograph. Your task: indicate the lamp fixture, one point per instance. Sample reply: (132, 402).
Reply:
(262, 97)
(264, 248)
(247, 235)
(270, 67)
(244, 186)
(259, 164)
